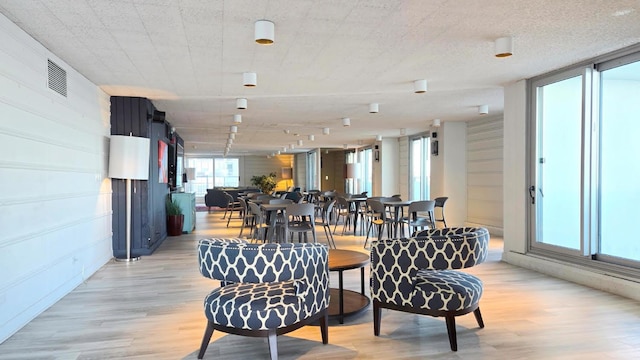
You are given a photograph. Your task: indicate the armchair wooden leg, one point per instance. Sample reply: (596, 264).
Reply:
(324, 326)
(377, 314)
(273, 344)
(205, 339)
(478, 315)
(451, 330)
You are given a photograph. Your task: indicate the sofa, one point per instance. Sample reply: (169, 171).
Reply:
(215, 197)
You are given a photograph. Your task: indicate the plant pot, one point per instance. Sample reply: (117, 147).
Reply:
(174, 224)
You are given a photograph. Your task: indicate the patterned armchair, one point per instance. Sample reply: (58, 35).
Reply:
(419, 275)
(267, 289)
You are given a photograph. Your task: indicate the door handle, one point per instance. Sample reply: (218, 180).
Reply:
(532, 194)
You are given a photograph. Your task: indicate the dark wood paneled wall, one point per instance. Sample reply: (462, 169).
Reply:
(133, 116)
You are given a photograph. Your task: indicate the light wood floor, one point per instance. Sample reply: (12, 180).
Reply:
(152, 309)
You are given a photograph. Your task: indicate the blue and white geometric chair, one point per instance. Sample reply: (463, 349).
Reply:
(418, 275)
(267, 289)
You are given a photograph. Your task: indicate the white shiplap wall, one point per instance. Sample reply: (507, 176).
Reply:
(55, 197)
(484, 173)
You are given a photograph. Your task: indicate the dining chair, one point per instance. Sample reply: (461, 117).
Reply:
(260, 223)
(343, 210)
(379, 218)
(300, 219)
(420, 216)
(440, 205)
(324, 221)
(248, 218)
(232, 205)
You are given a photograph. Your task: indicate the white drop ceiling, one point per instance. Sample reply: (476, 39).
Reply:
(330, 59)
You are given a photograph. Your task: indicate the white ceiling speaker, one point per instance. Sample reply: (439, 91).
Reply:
(504, 47)
(483, 109)
(378, 137)
(435, 123)
(311, 137)
(325, 131)
(234, 129)
(264, 31)
(346, 122)
(420, 86)
(241, 103)
(299, 142)
(373, 108)
(237, 118)
(250, 79)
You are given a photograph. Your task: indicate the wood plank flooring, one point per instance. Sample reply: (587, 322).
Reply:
(152, 309)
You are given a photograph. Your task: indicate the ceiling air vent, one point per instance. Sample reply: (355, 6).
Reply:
(57, 78)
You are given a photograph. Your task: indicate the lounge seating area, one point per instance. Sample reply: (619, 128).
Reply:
(154, 309)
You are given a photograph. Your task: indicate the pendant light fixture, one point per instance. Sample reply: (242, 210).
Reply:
(420, 86)
(346, 122)
(241, 103)
(250, 79)
(435, 123)
(378, 137)
(325, 131)
(483, 109)
(237, 118)
(504, 47)
(373, 108)
(311, 137)
(264, 31)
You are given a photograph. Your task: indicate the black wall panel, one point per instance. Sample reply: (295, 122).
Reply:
(133, 115)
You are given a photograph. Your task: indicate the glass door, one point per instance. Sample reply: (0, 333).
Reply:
(560, 163)
(420, 168)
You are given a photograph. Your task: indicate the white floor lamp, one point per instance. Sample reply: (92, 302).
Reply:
(129, 160)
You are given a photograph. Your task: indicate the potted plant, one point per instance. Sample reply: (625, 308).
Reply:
(175, 218)
(266, 183)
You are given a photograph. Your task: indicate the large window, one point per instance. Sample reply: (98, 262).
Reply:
(583, 189)
(227, 172)
(619, 169)
(420, 168)
(204, 175)
(218, 172)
